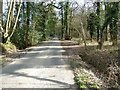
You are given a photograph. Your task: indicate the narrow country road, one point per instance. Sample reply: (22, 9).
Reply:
(42, 67)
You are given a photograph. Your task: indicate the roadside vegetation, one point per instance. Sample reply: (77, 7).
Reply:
(94, 68)
(89, 32)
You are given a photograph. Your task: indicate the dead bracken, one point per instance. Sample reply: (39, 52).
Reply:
(101, 66)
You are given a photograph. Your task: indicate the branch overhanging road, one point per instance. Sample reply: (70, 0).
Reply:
(42, 67)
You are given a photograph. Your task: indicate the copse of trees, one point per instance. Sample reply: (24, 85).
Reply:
(102, 20)
(66, 13)
(92, 24)
(110, 22)
(28, 23)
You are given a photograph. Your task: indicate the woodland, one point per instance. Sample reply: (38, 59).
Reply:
(89, 32)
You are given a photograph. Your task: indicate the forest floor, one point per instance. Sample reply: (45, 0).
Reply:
(94, 68)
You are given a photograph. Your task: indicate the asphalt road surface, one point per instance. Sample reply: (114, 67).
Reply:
(42, 67)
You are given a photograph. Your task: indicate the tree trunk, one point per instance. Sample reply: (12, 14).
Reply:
(27, 22)
(1, 12)
(44, 26)
(98, 16)
(106, 34)
(8, 18)
(14, 27)
(106, 28)
(83, 33)
(1, 29)
(66, 18)
(12, 15)
(70, 22)
(115, 22)
(62, 22)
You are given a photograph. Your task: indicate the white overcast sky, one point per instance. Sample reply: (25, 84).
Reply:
(79, 1)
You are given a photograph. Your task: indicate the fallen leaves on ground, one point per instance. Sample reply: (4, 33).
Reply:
(102, 66)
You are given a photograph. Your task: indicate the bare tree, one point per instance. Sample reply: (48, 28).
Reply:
(1, 12)
(10, 18)
(15, 23)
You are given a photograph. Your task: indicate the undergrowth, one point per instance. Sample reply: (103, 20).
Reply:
(8, 47)
(84, 81)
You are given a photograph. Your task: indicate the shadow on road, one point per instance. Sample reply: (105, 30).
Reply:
(48, 55)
